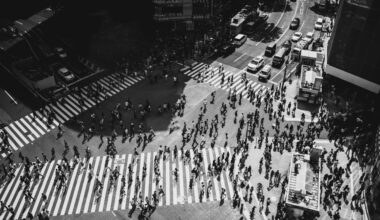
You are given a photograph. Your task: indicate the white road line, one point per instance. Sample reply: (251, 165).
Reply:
(153, 174)
(41, 128)
(167, 181)
(121, 171)
(180, 178)
(14, 128)
(196, 192)
(84, 185)
(46, 178)
(68, 193)
(241, 56)
(124, 202)
(161, 183)
(221, 174)
(211, 196)
(187, 183)
(13, 136)
(175, 184)
(35, 189)
(30, 128)
(230, 188)
(90, 190)
(111, 190)
(105, 188)
(214, 181)
(132, 193)
(58, 205)
(147, 182)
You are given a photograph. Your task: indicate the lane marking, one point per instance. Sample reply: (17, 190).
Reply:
(9, 95)
(238, 58)
(278, 21)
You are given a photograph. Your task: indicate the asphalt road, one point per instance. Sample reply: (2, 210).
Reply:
(276, 30)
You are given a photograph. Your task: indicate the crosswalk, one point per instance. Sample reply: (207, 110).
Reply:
(216, 78)
(34, 125)
(79, 196)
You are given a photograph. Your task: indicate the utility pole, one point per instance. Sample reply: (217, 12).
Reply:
(285, 72)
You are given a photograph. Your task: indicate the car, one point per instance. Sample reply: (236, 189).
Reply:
(255, 64)
(309, 37)
(60, 52)
(296, 36)
(227, 49)
(240, 39)
(318, 24)
(295, 24)
(265, 73)
(270, 49)
(66, 74)
(288, 46)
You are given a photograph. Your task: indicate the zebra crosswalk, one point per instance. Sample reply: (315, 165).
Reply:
(34, 125)
(78, 196)
(215, 79)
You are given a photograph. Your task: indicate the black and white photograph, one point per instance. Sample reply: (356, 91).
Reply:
(190, 110)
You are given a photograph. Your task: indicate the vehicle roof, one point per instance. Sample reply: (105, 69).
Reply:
(309, 33)
(271, 45)
(266, 68)
(319, 20)
(298, 33)
(258, 58)
(280, 52)
(239, 36)
(63, 69)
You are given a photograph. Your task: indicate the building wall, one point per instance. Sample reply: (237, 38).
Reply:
(181, 10)
(354, 49)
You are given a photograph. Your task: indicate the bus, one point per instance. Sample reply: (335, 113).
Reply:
(279, 58)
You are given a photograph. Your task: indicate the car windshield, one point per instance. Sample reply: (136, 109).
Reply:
(255, 61)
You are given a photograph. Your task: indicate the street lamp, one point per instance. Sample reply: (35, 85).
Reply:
(284, 78)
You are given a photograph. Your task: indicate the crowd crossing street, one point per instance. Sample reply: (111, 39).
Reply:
(136, 183)
(36, 124)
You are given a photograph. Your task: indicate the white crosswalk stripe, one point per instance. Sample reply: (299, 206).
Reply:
(79, 196)
(215, 80)
(35, 125)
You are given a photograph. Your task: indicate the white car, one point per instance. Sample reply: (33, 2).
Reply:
(66, 74)
(255, 64)
(240, 39)
(296, 36)
(318, 24)
(309, 37)
(265, 73)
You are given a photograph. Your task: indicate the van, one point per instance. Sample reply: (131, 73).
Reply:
(270, 50)
(278, 59)
(240, 39)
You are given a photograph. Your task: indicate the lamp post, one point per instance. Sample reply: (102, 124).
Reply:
(285, 72)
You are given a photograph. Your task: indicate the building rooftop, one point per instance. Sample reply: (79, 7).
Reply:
(241, 16)
(304, 183)
(23, 26)
(311, 77)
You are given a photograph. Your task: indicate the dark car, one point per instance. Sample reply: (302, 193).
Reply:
(288, 46)
(270, 50)
(227, 49)
(295, 24)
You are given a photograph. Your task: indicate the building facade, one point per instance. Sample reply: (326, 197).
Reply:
(354, 50)
(185, 11)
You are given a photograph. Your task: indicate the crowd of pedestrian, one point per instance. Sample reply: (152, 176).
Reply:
(345, 129)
